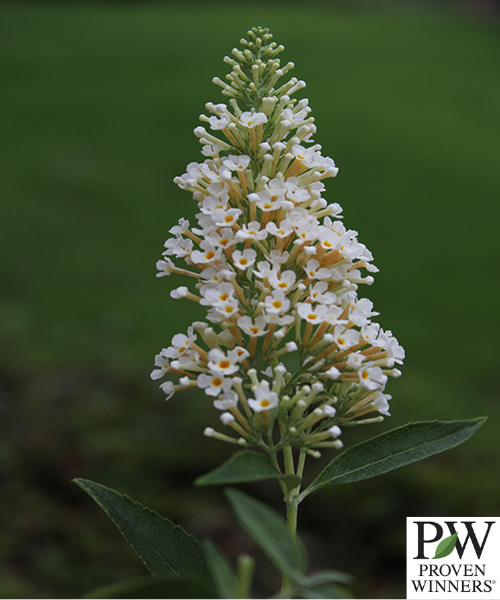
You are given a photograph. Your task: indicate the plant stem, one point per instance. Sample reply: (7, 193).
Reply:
(246, 566)
(290, 497)
(292, 505)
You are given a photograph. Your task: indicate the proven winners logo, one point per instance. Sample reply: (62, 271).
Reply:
(452, 557)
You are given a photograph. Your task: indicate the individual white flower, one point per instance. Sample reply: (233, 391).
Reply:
(372, 378)
(361, 312)
(276, 319)
(283, 230)
(278, 257)
(345, 338)
(264, 398)
(164, 267)
(314, 271)
(180, 344)
(355, 360)
(333, 315)
(318, 292)
(253, 327)
(213, 384)
(161, 361)
(226, 400)
(217, 124)
(189, 358)
(266, 200)
(228, 308)
(282, 281)
(370, 333)
(251, 231)
(222, 238)
(236, 163)
(306, 230)
(168, 389)
(328, 239)
(243, 260)
(179, 247)
(211, 150)
(209, 255)
(382, 403)
(311, 314)
(251, 119)
(218, 362)
(295, 192)
(215, 173)
(215, 274)
(238, 354)
(216, 295)
(211, 203)
(277, 303)
(225, 217)
(392, 346)
(264, 269)
(291, 119)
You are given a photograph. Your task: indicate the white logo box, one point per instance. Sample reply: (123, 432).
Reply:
(469, 569)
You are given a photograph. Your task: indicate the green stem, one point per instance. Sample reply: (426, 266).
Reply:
(290, 497)
(292, 505)
(246, 567)
(274, 460)
(293, 500)
(300, 466)
(292, 508)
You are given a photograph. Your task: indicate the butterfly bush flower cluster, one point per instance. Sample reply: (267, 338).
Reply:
(289, 354)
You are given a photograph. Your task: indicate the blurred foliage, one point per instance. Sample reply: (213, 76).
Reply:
(98, 103)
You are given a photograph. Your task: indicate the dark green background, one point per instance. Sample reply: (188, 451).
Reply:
(97, 108)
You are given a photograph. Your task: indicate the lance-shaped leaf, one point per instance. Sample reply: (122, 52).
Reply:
(323, 585)
(164, 547)
(269, 531)
(394, 449)
(172, 587)
(246, 466)
(221, 571)
(446, 546)
(327, 592)
(324, 577)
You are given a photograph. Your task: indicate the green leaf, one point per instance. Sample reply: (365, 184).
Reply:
(269, 531)
(220, 570)
(446, 546)
(173, 587)
(245, 466)
(322, 585)
(322, 577)
(332, 592)
(164, 547)
(394, 449)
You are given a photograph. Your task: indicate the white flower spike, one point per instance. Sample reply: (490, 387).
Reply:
(277, 271)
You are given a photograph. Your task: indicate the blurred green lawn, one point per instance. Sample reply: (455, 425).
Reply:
(97, 107)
